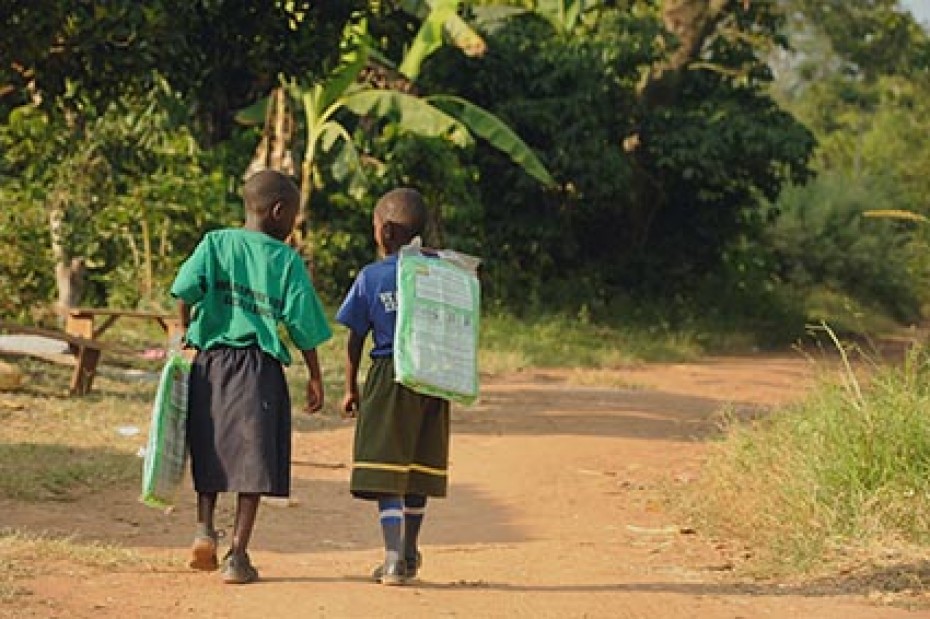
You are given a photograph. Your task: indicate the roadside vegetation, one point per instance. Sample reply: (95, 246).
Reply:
(835, 482)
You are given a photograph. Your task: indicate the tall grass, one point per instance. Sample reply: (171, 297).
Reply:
(847, 468)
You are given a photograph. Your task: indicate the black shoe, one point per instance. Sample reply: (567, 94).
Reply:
(413, 564)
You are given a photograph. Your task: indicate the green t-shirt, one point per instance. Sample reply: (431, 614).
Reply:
(242, 284)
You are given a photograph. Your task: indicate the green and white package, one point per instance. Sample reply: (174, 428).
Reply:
(436, 336)
(166, 452)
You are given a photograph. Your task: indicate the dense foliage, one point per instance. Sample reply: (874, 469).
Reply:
(671, 149)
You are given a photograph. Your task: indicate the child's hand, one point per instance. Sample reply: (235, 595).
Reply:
(314, 396)
(350, 405)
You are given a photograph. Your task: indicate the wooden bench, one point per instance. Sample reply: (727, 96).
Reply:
(82, 321)
(86, 352)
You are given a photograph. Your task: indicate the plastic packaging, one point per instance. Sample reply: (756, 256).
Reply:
(436, 334)
(166, 452)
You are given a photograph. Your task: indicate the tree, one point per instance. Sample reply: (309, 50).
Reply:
(867, 107)
(72, 61)
(324, 104)
(654, 189)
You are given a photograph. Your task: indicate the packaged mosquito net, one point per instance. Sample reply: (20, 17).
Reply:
(436, 337)
(166, 452)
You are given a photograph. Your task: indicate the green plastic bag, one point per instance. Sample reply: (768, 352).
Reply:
(166, 452)
(436, 334)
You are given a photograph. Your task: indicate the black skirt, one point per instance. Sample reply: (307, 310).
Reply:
(239, 423)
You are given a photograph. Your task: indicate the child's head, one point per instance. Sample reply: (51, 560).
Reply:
(271, 203)
(400, 215)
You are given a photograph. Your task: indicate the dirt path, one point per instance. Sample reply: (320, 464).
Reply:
(554, 512)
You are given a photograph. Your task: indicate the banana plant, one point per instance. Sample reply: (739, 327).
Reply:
(326, 101)
(900, 214)
(440, 22)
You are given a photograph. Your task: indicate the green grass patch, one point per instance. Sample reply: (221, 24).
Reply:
(815, 484)
(847, 315)
(509, 343)
(55, 446)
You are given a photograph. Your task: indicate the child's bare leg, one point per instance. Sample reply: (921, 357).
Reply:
(206, 507)
(238, 567)
(246, 511)
(203, 551)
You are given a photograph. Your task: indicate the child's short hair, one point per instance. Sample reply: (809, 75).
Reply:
(404, 206)
(264, 189)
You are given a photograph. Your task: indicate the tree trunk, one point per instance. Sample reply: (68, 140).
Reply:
(692, 22)
(274, 152)
(69, 270)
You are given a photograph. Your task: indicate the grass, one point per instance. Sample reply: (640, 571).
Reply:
(845, 314)
(58, 445)
(820, 483)
(61, 446)
(24, 556)
(511, 344)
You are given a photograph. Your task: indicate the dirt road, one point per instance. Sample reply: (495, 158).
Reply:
(555, 511)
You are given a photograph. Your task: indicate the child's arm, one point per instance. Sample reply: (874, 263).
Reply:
(353, 359)
(315, 383)
(184, 313)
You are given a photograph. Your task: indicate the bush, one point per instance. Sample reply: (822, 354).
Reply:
(821, 239)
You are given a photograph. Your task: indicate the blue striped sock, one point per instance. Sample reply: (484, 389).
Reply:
(391, 516)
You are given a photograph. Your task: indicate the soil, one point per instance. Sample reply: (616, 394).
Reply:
(555, 510)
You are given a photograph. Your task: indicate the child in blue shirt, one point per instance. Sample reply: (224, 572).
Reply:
(401, 447)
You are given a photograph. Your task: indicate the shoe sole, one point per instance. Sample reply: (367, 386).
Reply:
(231, 578)
(238, 580)
(203, 556)
(393, 581)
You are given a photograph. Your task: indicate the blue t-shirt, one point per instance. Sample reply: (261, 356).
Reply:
(371, 305)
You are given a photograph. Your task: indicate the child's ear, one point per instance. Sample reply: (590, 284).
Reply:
(276, 210)
(387, 231)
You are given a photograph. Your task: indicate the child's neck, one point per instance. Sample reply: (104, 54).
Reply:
(256, 225)
(392, 248)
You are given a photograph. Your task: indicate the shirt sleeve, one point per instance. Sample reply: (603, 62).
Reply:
(354, 312)
(303, 314)
(190, 284)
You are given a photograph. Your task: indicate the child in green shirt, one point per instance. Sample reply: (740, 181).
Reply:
(233, 292)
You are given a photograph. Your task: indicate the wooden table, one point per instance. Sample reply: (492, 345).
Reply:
(92, 322)
(83, 328)
(86, 353)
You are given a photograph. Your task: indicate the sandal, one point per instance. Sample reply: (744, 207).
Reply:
(203, 551)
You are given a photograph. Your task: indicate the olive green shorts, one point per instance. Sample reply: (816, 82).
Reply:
(401, 439)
